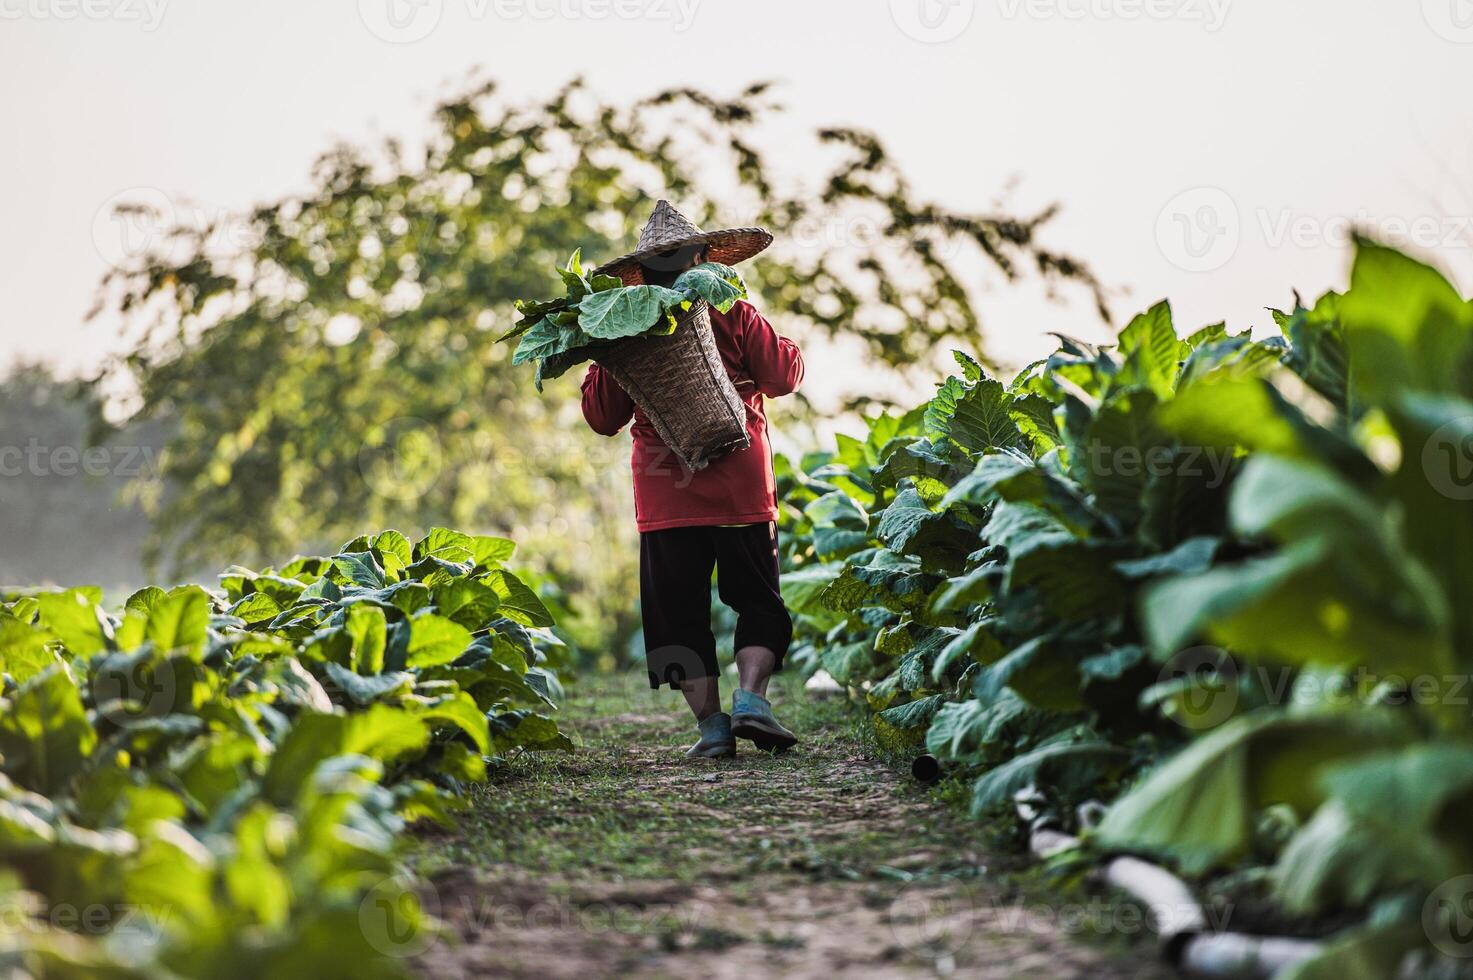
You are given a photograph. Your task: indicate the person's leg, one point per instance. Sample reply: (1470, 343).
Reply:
(747, 581)
(675, 604)
(703, 694)
(754, 667)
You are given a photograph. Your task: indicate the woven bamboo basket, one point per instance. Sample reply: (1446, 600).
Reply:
(680, 384)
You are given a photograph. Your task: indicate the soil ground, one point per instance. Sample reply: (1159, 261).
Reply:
(823, 862)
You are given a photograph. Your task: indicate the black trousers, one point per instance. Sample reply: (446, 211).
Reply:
(675, 596)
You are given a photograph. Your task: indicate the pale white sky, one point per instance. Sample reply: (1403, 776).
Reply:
(1204, 150)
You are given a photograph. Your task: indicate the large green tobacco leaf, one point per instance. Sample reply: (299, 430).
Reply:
(720, 285)
(976, 417)
(380, 733)
(1432, 490)
(1039, 671)
(1344, 590)
(367, 628)
(75, 619)
(1424, 793)
(1122, 447)
(1151, 351)
(518, 601)
(179, 622)
(527, 730)
(1317, 349)
(460, 710)
(1406, 327)
(1076, 580)
(1292, 607)
(904, 519)
(626, 312)
(548, 338)
(1373, 951)
(23, 649)
(1064, 766)
(885, 578)
(941, 541)
(435, 640)
(1199, 807)
(914, 714)
(1020, 479)
(1336, 861)
(45, 737)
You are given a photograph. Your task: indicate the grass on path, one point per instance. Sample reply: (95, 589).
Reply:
(822, 862)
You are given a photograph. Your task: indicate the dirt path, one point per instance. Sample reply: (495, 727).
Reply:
(821, 863)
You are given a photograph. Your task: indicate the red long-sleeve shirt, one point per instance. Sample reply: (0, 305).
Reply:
(737, 488)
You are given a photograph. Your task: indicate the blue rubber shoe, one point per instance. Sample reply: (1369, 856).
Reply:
(751, 718)
(716, 738)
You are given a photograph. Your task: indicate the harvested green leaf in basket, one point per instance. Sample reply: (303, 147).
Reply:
(600, 310)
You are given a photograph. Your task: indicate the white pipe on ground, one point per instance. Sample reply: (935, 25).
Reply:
(1231, 954)
(1185, 940)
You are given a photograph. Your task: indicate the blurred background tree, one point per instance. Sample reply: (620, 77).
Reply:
(334, 369)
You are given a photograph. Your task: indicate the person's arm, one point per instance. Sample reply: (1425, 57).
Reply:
(775, 363)
(606, 406)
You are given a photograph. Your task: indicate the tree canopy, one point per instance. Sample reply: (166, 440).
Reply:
(336, 368)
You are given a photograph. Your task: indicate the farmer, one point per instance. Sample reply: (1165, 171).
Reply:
(723, 516)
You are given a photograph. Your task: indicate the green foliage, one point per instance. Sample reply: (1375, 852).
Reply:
(328, 360)
(1044, 563)
(597, 310)
(234, 767)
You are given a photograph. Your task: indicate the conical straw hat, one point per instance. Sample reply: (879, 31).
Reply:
(668, 229)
